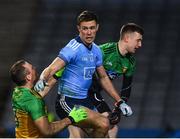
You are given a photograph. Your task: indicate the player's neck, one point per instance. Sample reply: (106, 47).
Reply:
(29, 86)
(122, 48)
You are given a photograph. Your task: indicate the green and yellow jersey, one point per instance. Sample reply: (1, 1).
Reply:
(114, 63)
(28, 106)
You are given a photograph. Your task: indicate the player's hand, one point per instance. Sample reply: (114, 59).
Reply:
(40, 85)
(125, 109)
(77, 114)
(115, 116)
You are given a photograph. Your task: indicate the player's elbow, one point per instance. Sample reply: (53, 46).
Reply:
(46, 132)
(44, 127)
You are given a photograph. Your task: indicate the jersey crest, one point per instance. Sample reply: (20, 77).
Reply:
(124, 69)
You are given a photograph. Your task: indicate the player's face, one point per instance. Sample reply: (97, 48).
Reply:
(134, 42)
(87, 31)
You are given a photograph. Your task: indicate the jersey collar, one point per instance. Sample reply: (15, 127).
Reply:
(78, 39)
(117, 47)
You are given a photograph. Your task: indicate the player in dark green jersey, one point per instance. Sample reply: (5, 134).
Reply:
(118, 60)
(29, 107)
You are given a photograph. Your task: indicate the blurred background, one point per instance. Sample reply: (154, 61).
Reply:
(35, 30)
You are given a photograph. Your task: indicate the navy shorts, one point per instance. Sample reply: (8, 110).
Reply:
(65, 104)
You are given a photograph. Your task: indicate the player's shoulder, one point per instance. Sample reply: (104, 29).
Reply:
(29, 94)
(20, 93)
(109, 47)
(22, 98)
(108, 44)
(95, 46)
(73, 45)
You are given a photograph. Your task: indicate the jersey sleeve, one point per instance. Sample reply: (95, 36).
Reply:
(68, 51)
(36, 108)
(126, 87)
(132, 66)
(99, 61)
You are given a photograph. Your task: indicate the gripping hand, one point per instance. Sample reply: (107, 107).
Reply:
(125, 109)
(77, 114)
(40, 85)
(115, 116)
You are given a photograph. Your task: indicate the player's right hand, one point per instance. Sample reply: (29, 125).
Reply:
(77, 114)
(40, 85)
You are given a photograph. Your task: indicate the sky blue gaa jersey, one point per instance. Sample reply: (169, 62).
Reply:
(81, 63)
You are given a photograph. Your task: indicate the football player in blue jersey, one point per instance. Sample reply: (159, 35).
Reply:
(81, 57)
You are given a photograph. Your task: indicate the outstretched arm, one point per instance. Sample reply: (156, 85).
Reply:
(48, 73)
(56, 65)
(47, 128)
(109, 88)
(76, 115)
(107, 84)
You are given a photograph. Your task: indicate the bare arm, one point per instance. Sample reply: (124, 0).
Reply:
(56, 65)
(107, 84)
(109, 88)
(76, 115)
(46, 81)
(48, 73)
(47, 128)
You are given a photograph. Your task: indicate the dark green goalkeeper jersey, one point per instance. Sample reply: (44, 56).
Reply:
(116, 64)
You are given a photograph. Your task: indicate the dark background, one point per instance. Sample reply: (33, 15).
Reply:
(35, 30)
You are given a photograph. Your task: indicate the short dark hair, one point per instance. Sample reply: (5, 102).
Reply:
(18, 73)
(129, 28)
(86, 16)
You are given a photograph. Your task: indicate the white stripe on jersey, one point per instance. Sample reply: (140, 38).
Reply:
(75, 45)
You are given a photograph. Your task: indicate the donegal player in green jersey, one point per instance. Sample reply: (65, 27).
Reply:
(118, 59)
(29, 107)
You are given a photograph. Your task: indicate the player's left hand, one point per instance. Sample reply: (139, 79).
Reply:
(125, 109)
(77, 114)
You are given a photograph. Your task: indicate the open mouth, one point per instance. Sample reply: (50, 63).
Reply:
(89, 38)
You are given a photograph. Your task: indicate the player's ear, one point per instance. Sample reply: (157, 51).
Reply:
(78, 27)
(28, 77)
(126, 38)
(97, 27)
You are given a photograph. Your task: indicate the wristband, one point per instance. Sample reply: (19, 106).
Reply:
(124, 98)
(117, 104)
(71, 119)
